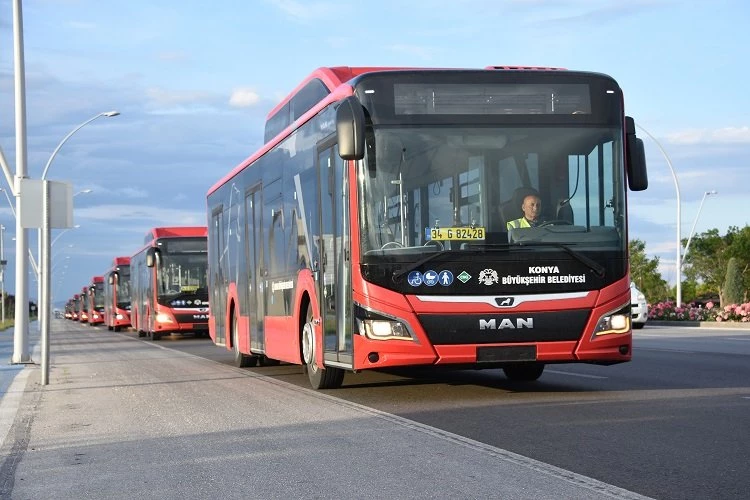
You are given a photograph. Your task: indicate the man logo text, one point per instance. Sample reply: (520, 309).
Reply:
(492, 324)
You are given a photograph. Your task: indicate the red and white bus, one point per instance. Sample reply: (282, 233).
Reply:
(168, 283)
(71, 308)
(96, 301)
(83, 305)
(371, 230)
(117, 295)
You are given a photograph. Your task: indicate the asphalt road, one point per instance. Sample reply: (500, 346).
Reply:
(673, 423)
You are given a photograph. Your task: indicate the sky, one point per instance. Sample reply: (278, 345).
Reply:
(194, 80)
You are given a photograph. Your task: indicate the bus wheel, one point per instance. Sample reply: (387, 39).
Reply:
(141, 333)
(240, 360)
(320, 378)
(524, 372)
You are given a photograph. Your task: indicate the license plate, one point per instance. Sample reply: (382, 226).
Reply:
(457, 234)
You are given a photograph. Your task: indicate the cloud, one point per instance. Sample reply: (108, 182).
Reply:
(153, 215)
(305, 11)
(243, 98)
(726, 135)
(164, 97)
(129, 192)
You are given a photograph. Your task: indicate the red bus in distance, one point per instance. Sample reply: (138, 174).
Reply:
(168, 283)
(83, 305)
(117, 295)
(96, 301)
(382, 224)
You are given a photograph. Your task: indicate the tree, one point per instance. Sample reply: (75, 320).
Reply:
(645, 272)
(709, 254)
(734, 290)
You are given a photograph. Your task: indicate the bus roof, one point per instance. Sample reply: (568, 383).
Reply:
(175, 232)
(120, 261)
(336, 80)
(97, 279)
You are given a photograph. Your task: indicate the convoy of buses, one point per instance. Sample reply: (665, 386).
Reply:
(372, 230)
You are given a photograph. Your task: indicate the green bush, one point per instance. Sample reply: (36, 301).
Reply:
(734, 289)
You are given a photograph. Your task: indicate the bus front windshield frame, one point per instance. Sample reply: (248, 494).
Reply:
(416, 179)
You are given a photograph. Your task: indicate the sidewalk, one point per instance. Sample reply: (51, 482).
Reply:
(124, 418)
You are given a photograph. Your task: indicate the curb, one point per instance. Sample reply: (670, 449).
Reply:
(703, 324)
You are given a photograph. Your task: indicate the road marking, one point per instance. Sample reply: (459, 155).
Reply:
(575, 374)
(680, 351)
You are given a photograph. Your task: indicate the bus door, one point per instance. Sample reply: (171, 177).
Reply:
(218, 301)
(254, 248)
(334, 278)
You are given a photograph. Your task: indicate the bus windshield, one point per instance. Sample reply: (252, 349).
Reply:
(449, 187)
(123, 287)
(99, 295)
(183, 275)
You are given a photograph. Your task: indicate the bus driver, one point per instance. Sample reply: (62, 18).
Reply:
(532, 210)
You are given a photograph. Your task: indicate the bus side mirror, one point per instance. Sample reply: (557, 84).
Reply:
(350, 129)
(635, 155)
(151, 257)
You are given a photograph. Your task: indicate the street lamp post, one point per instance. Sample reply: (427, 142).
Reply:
(678, 257)
(2, 273)
(692, 229)
(44, 260)
(39, 251)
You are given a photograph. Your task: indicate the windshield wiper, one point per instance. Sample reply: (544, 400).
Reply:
(590, 263)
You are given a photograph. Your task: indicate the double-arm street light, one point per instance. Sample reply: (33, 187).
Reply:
(678, 257)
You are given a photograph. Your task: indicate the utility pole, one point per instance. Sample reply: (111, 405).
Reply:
(21, 321)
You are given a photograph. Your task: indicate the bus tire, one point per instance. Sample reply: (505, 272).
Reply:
(240, 360)
(141, 333)
(320, 378)
(524, 372)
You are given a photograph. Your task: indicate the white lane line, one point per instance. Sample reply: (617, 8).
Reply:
(575, 374)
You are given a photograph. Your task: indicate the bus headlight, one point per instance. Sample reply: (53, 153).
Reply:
(119, 316)
(617, 321)
(379, 329)
(164, 318)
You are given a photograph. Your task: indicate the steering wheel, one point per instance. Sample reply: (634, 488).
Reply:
(556, 222)
(436, 243)
(392, 244)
